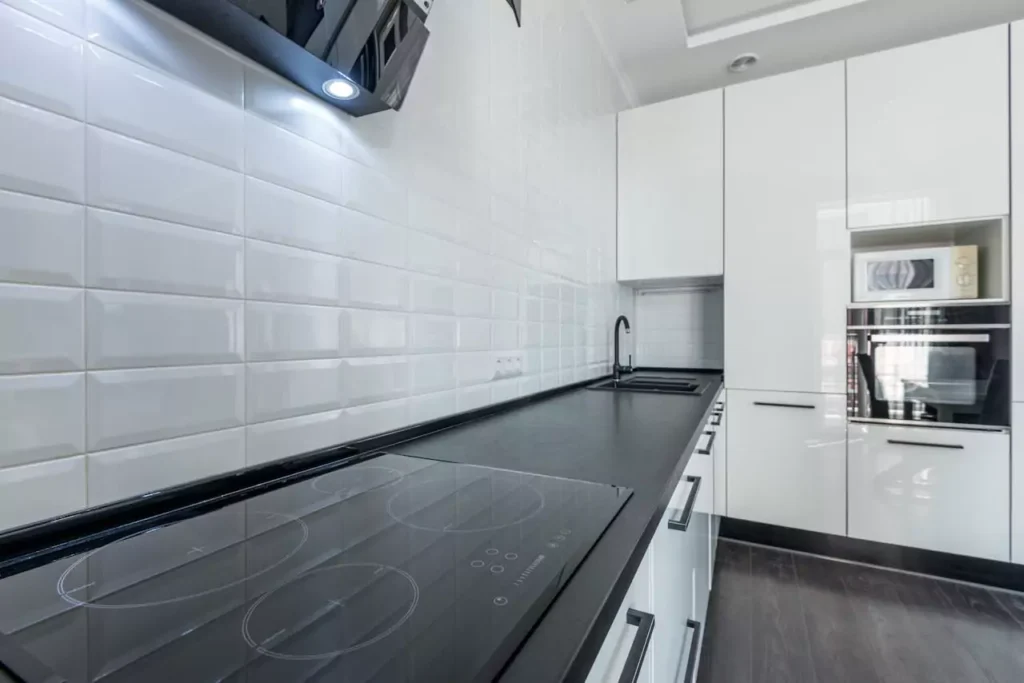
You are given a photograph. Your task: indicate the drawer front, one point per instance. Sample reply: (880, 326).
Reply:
(720, 422)
(787, 459)
(611, 659)
(937, 489)
(702, 464)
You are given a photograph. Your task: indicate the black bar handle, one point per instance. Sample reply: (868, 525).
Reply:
(770, 404)
(691, 660)
(716, 419)
(683, 522)
(711, 441)
(925, 444)
(644, 621)
(719, 405)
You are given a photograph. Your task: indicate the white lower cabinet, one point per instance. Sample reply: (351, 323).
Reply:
(938, 489)
(611, 660)
(1017, 467)
(787, 459)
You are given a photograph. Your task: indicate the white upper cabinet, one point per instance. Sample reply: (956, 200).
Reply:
(670, 189)
(1017, 244)
(929, 131)
(786, 245)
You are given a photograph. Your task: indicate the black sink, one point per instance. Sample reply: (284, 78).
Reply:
(654, 385)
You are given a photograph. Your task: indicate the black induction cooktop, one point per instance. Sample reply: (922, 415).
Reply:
(394, 569)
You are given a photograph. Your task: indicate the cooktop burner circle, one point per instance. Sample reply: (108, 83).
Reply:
(320, 590)
(499, 487)
(351, 481)
(66, 592)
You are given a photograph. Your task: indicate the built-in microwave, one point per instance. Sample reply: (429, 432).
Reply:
(924, 274)
(930, 365)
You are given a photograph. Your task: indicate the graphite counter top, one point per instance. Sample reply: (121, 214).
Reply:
(621, 438)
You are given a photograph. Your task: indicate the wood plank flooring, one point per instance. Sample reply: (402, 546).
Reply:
(781, 617)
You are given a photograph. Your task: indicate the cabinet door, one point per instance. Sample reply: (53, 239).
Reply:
(787, 459)
(1017, 485)
(670, 189)
(674, 561)
(938, 489)
(720, 424)
(702, 464)
(611, 659)
(929, 131)
(1017, 243)
(787, 248)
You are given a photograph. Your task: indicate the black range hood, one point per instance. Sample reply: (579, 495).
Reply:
(359, 55)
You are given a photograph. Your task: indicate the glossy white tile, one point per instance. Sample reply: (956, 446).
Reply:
(374, 418)
(474, 334)
(139, 178)
(433, 295)
(133, 330)
(291, 332)
(367, 285)
(42, 329)
(43, 240)
(476, 268)
(504, 336)
(43, 417)
(472, 301)
(370, 239)
(433, 216)
(274, 272)
(505, 390)
(371, 380)
(277, 214)
(474, 368)
(432, 255)
(431, 406)
(65, 14)
(505, 305)
(41, 490)
(471, 398)
(376, 333)
(143, 103)
(43, 153)
(127, 407)
(372, 192)
(428, 374)
(125, 472)
(283, 158)
(269, 441)
(279, 390)
(432, 334)
(141, 32)
(41, 65)
(141, 254)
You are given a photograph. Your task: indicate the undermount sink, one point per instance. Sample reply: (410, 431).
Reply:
(657, 385)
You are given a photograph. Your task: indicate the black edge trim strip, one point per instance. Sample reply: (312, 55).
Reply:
(770, 404)
(682, 523)
(691, 659)
(925, 444)
(944, 565)
(644, 621)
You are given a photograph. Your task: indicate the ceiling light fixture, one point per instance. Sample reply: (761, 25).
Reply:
(341, 89)
(743, 62)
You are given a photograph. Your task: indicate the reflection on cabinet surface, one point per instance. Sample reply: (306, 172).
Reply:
(929, 131)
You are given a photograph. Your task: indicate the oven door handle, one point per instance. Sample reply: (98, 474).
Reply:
(644, 621)
(919, 338)
(925, 444)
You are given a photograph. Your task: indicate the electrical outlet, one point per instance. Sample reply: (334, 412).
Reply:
(507, 365)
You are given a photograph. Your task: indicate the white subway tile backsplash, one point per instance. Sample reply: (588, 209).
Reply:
(474, 368)
(133, 253)
(472, 301)
(278, 156)
(269, 441)
(431, 334)
(42, 152)
(131, 330)
(433, 295)
(143, 103)
(41, 65)
(474, 334)
(44, 417)
(127, 407)
(288, 389)
(372, 192)
(431, 373)
(504, 336)
(370, 239)
(431, 406)
(368, 285)
(43, 240)
(433, 216)
(371, 380)
(143, 33)
(125, 472)
(277, 214)
(505, 390)
(175, 187)
(41, 490)
(42, 329)
(65, 14)
(374, 418)
(432, 255)
(471, 398)
(278, 273)
(291, 332)
(506, 305)
(376, 333)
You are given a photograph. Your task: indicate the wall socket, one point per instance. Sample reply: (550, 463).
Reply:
(507, 365)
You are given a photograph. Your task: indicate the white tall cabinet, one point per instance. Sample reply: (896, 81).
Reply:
(1017, 225)
(928, 131)
(670, 189)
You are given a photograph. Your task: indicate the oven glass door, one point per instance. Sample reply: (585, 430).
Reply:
(952, 378)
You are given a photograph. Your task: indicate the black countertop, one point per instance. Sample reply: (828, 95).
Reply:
(627, 439)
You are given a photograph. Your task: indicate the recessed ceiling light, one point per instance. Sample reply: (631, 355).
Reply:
(341, 89)
(743, 62)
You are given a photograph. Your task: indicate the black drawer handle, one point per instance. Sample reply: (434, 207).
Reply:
(719, 405)
(716, 420)
(691, 660)
(925, 444)
(711, 442)
(683, 522)
(769, 404)
(644, 621)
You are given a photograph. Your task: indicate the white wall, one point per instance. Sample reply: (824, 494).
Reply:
(680, 328)
(203, 268)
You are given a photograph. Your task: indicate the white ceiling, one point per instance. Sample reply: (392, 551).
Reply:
(646, 39)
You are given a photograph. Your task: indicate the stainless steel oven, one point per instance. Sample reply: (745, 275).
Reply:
(930, 365)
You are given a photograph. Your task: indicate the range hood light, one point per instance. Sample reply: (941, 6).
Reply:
(340, 89)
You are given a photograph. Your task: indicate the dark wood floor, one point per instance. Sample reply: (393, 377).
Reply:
(777, 617)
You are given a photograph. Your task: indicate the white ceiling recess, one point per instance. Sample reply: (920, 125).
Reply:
(667, 48)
